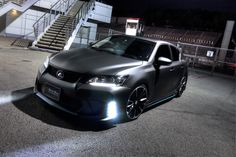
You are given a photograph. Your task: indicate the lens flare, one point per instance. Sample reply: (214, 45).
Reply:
(6, 97)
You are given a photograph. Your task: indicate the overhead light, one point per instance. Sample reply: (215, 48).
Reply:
(14, 12)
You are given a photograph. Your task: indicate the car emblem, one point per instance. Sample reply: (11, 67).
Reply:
(60, 74)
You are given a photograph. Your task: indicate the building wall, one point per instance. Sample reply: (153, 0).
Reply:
(24, 24)
(45, 3)
(102, 12)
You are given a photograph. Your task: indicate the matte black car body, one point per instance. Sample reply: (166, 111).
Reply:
(73, 80)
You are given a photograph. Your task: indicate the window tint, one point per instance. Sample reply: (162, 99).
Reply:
(163, 51)
(175, 53)
(126, 46)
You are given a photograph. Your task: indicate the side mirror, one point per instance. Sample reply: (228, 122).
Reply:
(164, 61)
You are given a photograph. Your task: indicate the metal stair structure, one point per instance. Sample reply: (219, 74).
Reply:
(57, 33)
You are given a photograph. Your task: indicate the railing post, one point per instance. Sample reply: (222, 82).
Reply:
(195, 56)
(43, 22)
(215, 61)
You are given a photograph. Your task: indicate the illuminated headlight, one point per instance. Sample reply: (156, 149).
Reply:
(111, 111)
(46, 62)
(108, 80)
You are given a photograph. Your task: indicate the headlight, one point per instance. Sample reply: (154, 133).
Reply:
(46, 62)
(108, 80)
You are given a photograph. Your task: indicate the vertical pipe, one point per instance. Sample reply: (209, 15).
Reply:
(195, 56)
(215, 61)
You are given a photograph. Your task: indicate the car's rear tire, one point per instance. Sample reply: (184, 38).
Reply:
(136, 102)
(182, 86)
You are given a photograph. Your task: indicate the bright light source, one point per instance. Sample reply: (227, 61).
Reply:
(14, 12)
(111, 111)
(103, 84)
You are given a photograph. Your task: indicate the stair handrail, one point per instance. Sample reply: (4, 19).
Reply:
(60, 7)
(81, 15)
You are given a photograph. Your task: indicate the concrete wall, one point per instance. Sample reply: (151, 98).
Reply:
(45, 3)
(102, 12)
(24, 24)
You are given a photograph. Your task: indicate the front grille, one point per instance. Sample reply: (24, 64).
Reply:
(69, 76)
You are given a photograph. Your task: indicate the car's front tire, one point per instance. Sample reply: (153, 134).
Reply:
(136, 102)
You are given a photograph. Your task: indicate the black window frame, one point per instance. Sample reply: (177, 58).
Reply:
(172, 53)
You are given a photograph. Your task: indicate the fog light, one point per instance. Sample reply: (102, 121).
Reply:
(111, 111)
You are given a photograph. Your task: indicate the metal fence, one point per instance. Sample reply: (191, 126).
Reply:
(210, 59)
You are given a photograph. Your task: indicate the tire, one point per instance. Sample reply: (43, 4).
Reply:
(182, 86)
(135, 103)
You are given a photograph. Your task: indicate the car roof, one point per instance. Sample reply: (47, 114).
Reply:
(148, 39)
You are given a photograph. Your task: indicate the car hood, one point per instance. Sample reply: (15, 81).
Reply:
(90, 61)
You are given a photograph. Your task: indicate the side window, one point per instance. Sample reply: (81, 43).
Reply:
(175, 53)
(163, 51)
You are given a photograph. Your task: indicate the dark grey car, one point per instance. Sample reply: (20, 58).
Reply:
(118, 76)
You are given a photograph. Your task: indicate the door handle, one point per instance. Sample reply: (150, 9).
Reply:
(181, 66)
(172, 69)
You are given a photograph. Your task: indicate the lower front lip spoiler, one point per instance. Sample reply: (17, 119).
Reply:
(50, 102)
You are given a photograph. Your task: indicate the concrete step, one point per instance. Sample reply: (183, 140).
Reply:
(61, 24)
(58, 44)
(43, 42)
(55, 35)
(54, 38)
(63, 30)
(49, 47)
(52, 42)
(56, 32)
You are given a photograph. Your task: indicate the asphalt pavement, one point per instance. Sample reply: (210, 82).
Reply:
(202, 123)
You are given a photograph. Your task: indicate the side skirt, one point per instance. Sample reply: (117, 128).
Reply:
(159, 101)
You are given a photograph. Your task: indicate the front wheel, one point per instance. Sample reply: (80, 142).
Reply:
(136, 102)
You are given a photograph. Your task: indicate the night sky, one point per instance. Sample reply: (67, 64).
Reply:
(139, 7)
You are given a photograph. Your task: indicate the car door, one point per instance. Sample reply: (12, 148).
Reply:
(164, 74)
(177, 68)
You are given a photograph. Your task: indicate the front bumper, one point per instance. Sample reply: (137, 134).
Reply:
(83, 100)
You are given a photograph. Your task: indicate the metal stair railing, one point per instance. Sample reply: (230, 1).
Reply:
(60, 7)
(81, 15)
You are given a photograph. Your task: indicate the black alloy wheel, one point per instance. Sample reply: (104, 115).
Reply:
(182, 86)
(136, 102)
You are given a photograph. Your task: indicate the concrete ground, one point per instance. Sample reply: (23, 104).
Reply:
(200, 123)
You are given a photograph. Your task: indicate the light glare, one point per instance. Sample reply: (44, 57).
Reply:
(111, 111)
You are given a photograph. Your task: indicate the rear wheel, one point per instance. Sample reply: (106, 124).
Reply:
(136, 102)
(182, 86)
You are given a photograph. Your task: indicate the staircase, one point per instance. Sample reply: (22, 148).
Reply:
(60, 31)
(55, 37)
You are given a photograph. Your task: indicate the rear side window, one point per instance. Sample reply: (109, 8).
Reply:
(163, 51)
(175, 53)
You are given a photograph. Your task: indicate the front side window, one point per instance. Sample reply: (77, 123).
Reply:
(126, 46)
(175, 53)
(163, 51)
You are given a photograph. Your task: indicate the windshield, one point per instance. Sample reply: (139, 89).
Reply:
(126, 46)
